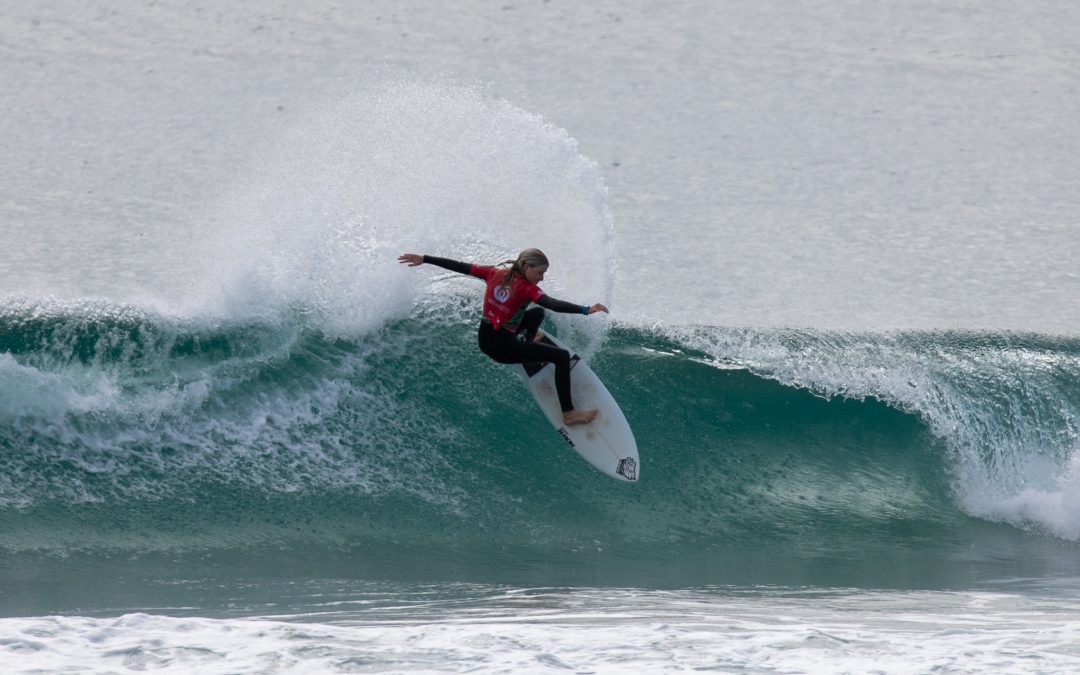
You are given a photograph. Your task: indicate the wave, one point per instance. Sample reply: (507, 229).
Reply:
(310, 389)
(122, 428)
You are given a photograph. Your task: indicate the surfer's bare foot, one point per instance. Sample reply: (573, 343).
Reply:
(539, 336)
(571, 417)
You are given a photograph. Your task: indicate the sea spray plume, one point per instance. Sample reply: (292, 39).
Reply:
(407, 163)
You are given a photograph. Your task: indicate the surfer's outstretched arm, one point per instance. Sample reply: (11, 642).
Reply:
(414, 259)
(564, 307)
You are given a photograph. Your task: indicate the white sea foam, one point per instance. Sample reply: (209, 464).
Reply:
(27, 391)
(598, 631)
(1052, 504)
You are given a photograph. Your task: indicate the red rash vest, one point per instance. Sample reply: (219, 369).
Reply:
(503, 306)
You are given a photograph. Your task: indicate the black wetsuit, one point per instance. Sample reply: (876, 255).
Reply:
(507, 346)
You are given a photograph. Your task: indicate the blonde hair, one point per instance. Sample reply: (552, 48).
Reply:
(533, 257)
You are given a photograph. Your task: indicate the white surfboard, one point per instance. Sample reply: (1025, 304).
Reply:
(607, 442)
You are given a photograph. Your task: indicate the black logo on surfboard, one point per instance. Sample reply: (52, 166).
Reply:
(627, 468)
(566, 436)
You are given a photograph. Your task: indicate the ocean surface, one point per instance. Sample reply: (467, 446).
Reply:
(838, 240)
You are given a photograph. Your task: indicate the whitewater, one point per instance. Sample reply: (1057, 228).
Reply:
(838, 242)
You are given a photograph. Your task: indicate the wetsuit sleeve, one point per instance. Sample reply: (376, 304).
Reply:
(548, 302)
(452, 265)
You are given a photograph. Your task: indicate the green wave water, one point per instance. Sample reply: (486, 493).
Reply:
(126, 433)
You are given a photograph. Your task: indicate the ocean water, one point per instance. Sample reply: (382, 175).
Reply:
(838, 241)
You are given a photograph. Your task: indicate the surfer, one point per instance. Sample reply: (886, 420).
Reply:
(510, 334)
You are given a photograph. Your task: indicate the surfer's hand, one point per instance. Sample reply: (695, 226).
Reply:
(597, 308)
(411, 259)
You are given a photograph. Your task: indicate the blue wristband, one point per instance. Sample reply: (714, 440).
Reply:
(585, 310)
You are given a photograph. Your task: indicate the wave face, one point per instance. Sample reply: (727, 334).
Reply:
(121, 429)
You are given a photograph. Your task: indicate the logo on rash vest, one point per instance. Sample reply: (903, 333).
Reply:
(627, 468)
(502, 293)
